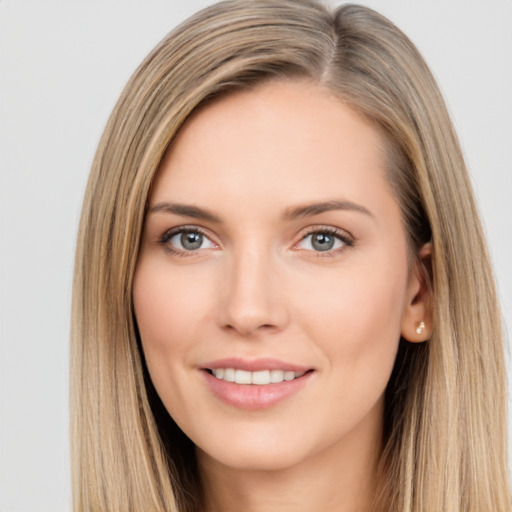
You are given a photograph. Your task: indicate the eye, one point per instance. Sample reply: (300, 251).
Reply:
(186, 240)
(324, 240)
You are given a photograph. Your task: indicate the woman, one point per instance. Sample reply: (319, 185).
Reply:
(279, 252)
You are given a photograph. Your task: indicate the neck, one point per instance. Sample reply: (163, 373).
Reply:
(341, 478)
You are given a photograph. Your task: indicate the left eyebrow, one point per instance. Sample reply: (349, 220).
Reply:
(309, 210)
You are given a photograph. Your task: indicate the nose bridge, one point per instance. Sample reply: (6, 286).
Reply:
(252, 301)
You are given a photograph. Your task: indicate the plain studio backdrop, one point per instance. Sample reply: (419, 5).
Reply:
(62, 66)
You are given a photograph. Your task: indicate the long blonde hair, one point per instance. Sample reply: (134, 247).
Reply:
(445, 419)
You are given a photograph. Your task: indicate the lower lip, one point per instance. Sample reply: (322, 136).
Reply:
(253, 396)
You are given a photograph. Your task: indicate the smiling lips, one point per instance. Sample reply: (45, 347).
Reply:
(255, 385)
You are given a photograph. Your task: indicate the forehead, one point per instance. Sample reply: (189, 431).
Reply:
(292, 137)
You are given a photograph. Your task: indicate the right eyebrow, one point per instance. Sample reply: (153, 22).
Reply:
(185, 210)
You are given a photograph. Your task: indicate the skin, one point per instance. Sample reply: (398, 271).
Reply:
(258, 287)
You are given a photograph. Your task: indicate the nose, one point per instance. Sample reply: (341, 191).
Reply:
(252, 295)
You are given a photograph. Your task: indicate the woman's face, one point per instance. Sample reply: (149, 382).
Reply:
(274, 249)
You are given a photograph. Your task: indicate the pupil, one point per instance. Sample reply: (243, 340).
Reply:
(191, 241)
(323, 242)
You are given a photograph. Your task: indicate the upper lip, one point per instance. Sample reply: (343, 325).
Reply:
(255, 365)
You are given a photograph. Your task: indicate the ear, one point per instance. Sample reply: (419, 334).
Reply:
(417, 313)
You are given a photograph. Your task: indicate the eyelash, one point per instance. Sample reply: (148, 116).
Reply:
(347, 240)
(170, 233)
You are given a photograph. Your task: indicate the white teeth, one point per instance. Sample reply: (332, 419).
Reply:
(242, 377)
(276, 376)
(260, 378)
(229, 375)
(219, 373)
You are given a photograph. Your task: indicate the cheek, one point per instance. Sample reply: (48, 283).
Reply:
(356, 318)
(168, 307)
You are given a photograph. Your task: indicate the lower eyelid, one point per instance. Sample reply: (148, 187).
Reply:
(169, 233)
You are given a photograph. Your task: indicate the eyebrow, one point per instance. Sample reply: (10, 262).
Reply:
(294, 213)
(185, 210)
(309, 210)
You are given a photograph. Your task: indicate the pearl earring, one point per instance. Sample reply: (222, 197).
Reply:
(420, 327)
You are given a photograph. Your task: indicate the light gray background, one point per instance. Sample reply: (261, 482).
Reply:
(62, 66)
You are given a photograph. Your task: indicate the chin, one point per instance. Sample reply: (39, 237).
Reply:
(261, 449)
(255, 458)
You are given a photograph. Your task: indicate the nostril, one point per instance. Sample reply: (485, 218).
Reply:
(248, 329)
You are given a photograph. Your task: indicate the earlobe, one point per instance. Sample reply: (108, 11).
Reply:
(417, 315)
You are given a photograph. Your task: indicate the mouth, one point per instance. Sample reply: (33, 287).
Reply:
(257, 378)
(255, 385)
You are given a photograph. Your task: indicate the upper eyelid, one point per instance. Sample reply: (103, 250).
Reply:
(342, 233)
(190, 228)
